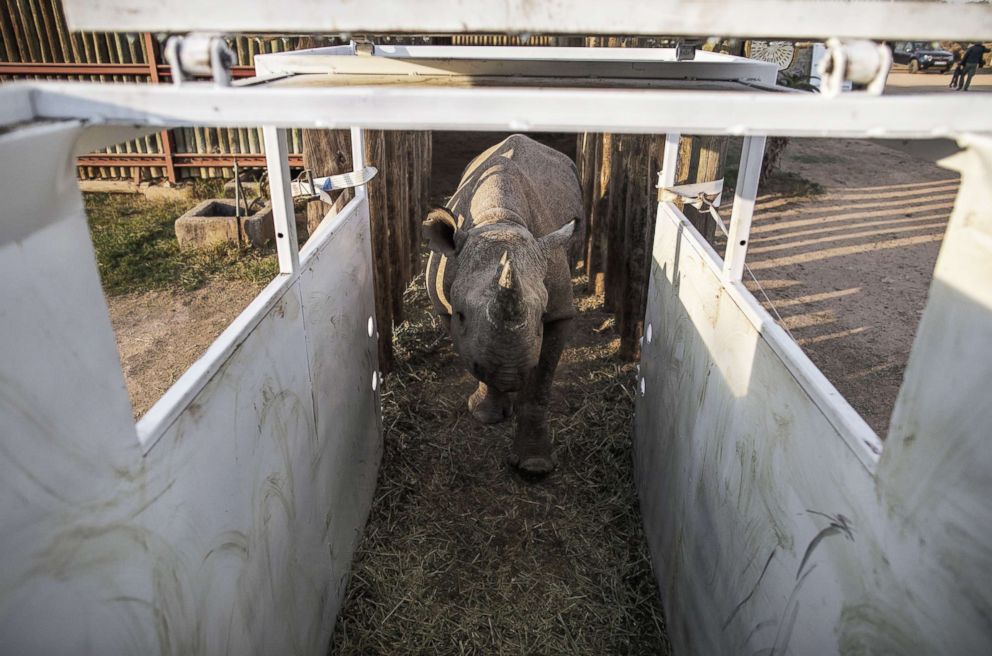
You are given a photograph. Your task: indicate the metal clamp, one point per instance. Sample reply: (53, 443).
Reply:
(362, 46)
(199, 54)
(710, 192)
(307, 186)
(704, 196)
(860, 62)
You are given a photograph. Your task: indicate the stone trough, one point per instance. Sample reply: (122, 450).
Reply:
(214, 222)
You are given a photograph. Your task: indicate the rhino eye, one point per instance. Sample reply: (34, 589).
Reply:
(459, 316)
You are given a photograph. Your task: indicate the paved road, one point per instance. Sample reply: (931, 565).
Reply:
(901, 81)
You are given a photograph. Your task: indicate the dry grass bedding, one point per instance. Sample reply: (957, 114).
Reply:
(463, 556)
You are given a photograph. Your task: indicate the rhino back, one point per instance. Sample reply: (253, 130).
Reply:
(520, 180)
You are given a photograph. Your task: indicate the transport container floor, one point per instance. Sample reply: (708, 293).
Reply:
(461, 555)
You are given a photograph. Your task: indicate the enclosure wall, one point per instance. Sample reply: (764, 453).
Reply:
(772, 526)
(234, 532)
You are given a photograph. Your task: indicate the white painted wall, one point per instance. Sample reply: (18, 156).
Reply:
(772, 526)
(234, 533)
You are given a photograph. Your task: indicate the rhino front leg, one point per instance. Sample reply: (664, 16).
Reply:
(489, 406)
(531, 451)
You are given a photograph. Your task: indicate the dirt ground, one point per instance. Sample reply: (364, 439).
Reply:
(901, 81)
(849, 270)
(161, 333)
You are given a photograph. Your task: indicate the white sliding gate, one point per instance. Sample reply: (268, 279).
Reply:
(776, 521)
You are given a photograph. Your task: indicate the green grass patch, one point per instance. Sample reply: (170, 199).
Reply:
(136, 248)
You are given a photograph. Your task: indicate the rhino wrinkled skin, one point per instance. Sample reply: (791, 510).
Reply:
(500, 280)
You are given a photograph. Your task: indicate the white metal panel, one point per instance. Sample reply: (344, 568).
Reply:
(528, 62)
(936, 469)
(564, 110)
(15, 105)
(338, 309)
(67, 441)
(767, 18)
(24, 213)
(769, 528)
(234, 533)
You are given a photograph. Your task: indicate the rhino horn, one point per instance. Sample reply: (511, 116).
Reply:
(506, 274)
(508, 305)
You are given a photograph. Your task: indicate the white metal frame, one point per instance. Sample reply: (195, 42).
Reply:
(892, 515)
(744, 196)
(514, 65)
(852, 115)
(732, 18)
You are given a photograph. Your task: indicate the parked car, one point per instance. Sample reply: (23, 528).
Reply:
(921, 55)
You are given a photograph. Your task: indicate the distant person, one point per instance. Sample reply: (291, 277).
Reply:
(958, 69)
(971, 60)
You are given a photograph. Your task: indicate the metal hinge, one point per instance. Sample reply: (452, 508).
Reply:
(199, 54)
(859, 62)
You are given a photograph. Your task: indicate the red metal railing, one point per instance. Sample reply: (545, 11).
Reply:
(168, 159)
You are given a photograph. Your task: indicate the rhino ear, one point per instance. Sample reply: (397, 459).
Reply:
(439, 231)
(559, 238)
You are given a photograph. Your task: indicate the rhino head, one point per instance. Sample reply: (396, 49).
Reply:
(498, 295)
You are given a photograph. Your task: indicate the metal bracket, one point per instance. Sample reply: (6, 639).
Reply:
(362, 46)
(860, 62)
(307, 186)
(199, 54)
(697, 194)
(685, 50)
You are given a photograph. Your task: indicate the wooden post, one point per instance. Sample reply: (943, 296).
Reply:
(394, 173)
(638, 212)
(614, 218)
(375, 154)
(326, 152)
(414, 214)
(596, 255)
(585, 162)
(425, 161)
(701, 159)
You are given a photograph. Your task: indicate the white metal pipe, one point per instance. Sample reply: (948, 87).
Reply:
(669, 160)
(740, 218)
(358, 156)
(562, 110)
(730, 18)
(277, 161)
